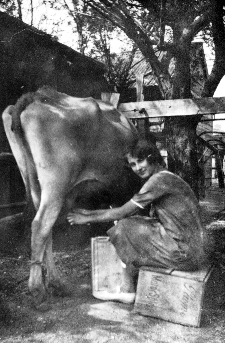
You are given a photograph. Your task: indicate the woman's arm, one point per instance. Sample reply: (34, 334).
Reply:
(81, 216)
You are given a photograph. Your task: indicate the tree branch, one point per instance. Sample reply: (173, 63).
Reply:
(70, 11)
(19, 10)
(218, 31)
(196, 26)
(115, 20)
(32, 12)
(120, 16)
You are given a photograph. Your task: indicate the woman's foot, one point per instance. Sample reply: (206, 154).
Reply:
(123, 297)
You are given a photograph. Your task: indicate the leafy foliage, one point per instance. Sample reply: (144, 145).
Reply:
(8, 6)
(119, 74)
(154, 27)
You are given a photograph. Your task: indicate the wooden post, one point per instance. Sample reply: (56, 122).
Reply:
(143, 124)
(113, 98)
(219, 169)
(139, 87)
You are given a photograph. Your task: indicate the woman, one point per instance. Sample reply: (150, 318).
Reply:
(168, 234)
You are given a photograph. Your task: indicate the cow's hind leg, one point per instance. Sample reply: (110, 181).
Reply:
(41, 234)
(55, 283)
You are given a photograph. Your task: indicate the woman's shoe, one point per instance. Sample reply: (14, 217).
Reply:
(123, 297)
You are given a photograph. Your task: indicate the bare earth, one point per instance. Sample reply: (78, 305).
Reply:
(82, 318)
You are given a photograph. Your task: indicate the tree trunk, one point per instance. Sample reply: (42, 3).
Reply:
(181, 131)
(182, 150)
(218, 31)
(19, 10)
(182, 75)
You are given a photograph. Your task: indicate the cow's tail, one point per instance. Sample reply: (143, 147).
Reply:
(16, 111)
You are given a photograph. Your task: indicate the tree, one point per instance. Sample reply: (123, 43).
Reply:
(118, 72)
(160, 25)
(170, 26)
(78, 12)
(10, 6)
(218, 34)
(95, 35)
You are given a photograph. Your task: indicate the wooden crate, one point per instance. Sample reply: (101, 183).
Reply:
(172, 295)
(106, 266)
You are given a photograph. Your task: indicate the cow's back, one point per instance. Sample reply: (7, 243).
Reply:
(81, 138)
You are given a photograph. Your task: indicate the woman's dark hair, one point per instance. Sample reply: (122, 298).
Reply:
(146, 150)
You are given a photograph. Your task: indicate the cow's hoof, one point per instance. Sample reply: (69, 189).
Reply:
(39, 299)
(40, 302)
(43, 307)
(59, 289)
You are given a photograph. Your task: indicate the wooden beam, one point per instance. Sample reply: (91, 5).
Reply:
(171, 108)
(139, 87)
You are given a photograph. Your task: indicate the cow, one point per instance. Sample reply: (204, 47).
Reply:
(62, 145)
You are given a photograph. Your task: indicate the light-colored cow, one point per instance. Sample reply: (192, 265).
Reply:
(62, 144)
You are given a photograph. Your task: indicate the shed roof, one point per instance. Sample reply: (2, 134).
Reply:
(11, 27)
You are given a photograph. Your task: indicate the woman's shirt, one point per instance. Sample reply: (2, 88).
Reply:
(175, 206)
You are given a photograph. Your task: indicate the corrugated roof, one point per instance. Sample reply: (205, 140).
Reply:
(198, 69)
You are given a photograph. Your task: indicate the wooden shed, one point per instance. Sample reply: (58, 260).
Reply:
(30, 59)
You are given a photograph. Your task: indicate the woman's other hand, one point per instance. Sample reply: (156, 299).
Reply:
(79, 216)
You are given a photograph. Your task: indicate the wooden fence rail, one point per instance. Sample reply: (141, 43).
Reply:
(171, 108)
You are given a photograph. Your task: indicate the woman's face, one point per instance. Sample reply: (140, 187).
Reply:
(141, 167)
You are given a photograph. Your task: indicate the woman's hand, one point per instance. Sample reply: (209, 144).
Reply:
(79, 216)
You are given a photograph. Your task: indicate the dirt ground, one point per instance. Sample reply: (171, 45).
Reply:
(82, 318)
